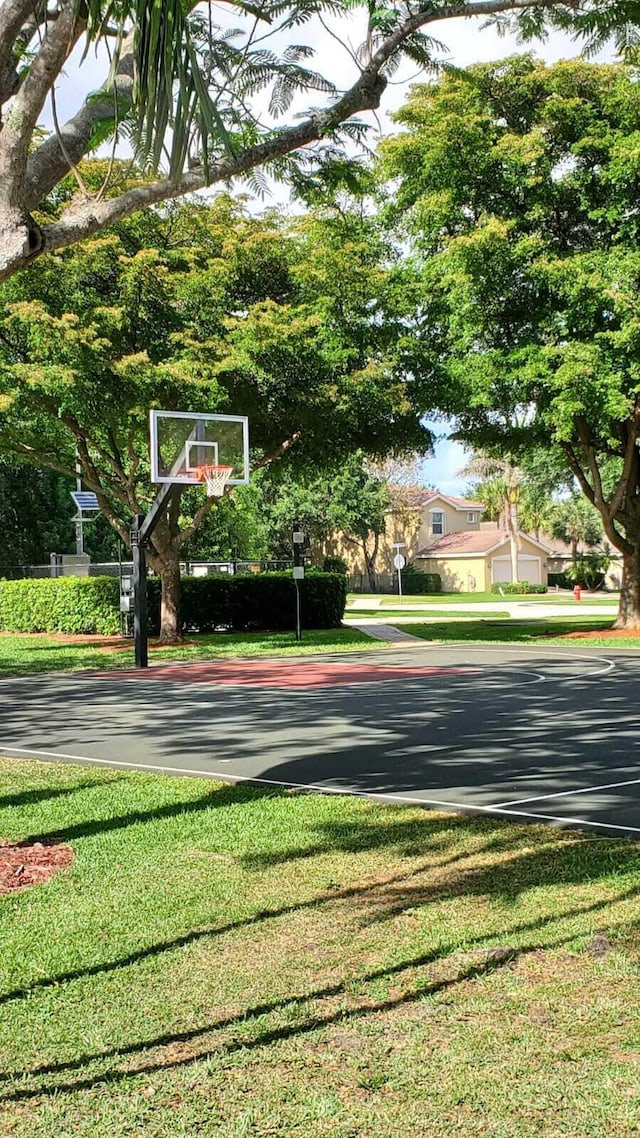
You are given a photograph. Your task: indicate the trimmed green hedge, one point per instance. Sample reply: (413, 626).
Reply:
(61, 604)
(265, 602)
(416, 583)
(518, 587)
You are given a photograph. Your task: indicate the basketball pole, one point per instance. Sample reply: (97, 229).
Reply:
(142, 527)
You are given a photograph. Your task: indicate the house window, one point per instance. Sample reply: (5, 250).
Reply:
(437, 522)
(472, 516)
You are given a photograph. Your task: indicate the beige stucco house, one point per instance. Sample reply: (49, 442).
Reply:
(476, 560)
(444, 534)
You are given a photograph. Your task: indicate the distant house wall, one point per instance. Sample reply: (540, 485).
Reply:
(466, 573)
(459, 574)
(411, 526)
(439, 517)
(402, 526)
(532, 563)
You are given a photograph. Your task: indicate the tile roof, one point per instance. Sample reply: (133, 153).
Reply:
(457, 503)
(417, 497)
(563, 548)
(469, 541)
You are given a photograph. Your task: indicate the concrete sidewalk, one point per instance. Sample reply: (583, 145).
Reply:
(522, 610)
(388, 632)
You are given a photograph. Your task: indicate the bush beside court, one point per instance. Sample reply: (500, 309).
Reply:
(416, 583)
(265, 602)
(64, 604)
(518, 588)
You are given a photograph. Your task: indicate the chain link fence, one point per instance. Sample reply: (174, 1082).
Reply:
(58, 568)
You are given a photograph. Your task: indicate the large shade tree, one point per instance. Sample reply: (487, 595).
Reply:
(202, 93)
(292, 323)
(520, 184)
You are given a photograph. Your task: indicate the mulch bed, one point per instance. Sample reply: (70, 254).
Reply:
(598, 633)
(89, 640)
(25, 865)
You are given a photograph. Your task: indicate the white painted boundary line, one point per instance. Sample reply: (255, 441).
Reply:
(529, 649)
(567, 793)
(318, 788)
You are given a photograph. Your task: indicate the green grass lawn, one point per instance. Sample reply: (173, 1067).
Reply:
(548, 631)
(482, 598)
(24, 653)
(229, 962)
(391, 614)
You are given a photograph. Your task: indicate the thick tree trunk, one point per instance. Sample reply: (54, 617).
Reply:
(371, 575)
(629, 609)
(370, 562)
(170, 624)
(19, 239)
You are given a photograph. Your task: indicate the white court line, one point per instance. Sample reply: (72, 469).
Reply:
(566, 793)
(406, 799)
(528, 649)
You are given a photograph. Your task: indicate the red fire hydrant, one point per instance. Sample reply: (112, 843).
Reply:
(577, 592)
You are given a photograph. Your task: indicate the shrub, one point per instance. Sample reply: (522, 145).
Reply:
(560, 580)
(335, 565)
(61, 604)
(415, 582)
(518, 587)
(265, 602)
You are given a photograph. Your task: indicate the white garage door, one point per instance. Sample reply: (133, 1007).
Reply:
(528, 569)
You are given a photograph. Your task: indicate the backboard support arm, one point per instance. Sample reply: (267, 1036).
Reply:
(142, 528)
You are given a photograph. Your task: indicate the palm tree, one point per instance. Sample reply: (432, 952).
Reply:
(503, 479)
(576, 520)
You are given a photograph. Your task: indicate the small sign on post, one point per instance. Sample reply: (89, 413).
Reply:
(399, 563)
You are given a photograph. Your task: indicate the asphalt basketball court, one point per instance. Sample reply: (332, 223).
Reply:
(528, 733)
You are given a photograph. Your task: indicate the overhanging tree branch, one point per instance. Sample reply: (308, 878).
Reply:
(14, 14)
(17, 130)
(274, 455)
(50, 162)
(23, 240)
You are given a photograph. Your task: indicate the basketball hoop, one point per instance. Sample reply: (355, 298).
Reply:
(216, 478)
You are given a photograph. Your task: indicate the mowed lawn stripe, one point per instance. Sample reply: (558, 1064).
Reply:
(228, 960)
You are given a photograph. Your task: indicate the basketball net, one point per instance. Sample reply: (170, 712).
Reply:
(216, 478)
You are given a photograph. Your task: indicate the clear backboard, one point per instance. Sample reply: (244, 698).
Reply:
(182, 443)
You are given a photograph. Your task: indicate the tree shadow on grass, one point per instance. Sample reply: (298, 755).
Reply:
(194, 936)
(272, 1035)
(44, 794)
(550, 858)
(226, 795)
(392, 896)
(407, 838)
(480, 966)
(544, 856)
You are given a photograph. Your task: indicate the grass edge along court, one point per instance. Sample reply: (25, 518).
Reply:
(229, 961)
(25, 653)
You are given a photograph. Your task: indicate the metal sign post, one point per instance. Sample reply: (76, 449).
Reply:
(298, 574)
(140, 634)
(399, 563)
